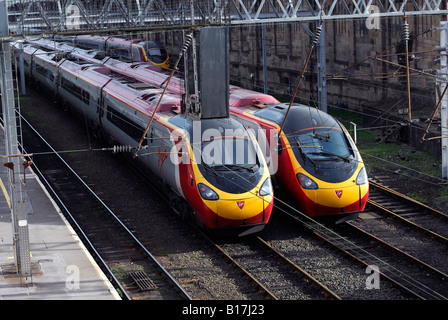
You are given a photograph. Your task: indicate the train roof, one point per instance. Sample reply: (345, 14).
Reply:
(186, 122)
(147, 72)
(88, 36)
(150, 43)
(300, 117)
(119, 40)
(143, 71)
(240, 97)
(143, 96)
(134, 90)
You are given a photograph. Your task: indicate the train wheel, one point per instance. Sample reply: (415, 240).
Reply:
(36, 85)
(65, 105)
(98, 133)
(182, 209)
(54, 97)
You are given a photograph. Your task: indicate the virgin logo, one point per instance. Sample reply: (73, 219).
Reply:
(240, 204)
(338, 193)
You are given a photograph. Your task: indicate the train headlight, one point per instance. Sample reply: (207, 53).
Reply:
(206, 192)
(306, 183)
(266, 188)
(362, 177)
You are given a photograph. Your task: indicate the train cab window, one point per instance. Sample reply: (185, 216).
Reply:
(324, 144)
(155, 51)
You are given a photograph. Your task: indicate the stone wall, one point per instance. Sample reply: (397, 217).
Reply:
(361, 81)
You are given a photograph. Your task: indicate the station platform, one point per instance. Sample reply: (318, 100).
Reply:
(61, 267)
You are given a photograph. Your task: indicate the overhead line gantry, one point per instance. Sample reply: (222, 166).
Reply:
(51, 16)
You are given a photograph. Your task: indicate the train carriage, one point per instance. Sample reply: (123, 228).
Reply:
(314, 158)
(27, 58)
(234, 197)
(124, 49)
(311, 175)
(42, 71)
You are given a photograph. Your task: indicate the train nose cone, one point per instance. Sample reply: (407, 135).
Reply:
(241, 209)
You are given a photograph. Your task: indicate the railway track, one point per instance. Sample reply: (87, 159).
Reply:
(275, 275)
(415, 214)
(267, 272)
(413, 275)
(193, 276)
(128, 264)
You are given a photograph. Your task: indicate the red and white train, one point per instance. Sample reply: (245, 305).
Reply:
(195, 162)
(133, 50)
(313, 159)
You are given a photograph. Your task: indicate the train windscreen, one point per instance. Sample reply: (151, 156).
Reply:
(154, 51)
(323, 144)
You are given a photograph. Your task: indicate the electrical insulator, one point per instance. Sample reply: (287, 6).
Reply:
(405, 31)
(188, 39)
(317, 35)
(117, 149)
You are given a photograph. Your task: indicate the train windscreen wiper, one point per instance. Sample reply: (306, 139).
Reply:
(234, 167)
(303, 153)
(345, 158)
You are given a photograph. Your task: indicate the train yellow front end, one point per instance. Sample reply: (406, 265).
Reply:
(319, 165)
(252, 208)
(227, 181)
(333, 199)
(329, 174)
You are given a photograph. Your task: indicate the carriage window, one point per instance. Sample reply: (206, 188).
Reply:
(75, 90)
(40, 69)
(128, 126)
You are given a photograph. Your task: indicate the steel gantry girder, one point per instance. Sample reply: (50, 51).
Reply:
(50, 16)
(311, 10)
